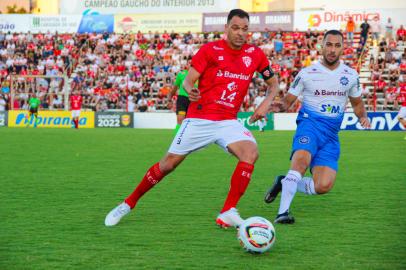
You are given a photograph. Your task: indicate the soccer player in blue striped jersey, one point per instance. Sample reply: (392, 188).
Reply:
(325, 87)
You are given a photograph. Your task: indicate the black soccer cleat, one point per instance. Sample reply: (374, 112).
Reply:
(284, 218)
(273, 192)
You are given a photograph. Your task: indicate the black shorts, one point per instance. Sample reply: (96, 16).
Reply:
(34, 110)
(182, 103)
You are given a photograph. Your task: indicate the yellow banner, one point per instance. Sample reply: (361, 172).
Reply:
(50, 119)
(179, 23)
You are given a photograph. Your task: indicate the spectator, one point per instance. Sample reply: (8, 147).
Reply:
(375, 29)
(389, 29)
(401, 34)
(350, 28)
(390, 97)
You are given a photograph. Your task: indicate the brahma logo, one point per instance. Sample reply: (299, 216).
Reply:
(314, 20)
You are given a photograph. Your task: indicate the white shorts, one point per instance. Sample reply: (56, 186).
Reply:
(195, 134)
(75, 113)
(402, 113)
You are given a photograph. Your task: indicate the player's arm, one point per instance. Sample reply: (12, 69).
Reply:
(359, 110)
(265, 106)
(287, 101)
(189, 84)
(358, 105)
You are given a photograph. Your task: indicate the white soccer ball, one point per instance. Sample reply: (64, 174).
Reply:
(256, 235)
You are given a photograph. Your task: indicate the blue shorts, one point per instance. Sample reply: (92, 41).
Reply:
(323, 145)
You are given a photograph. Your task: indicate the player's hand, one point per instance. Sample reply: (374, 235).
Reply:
(365, 122)
(194, 94)
(256, 116)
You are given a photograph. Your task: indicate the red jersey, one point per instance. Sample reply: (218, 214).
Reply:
(76, 102)
(224, 80)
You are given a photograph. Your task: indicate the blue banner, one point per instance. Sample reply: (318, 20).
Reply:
(96, 24)
(379, 121)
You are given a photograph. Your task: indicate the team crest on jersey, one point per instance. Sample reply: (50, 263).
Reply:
(304, 140)
(344, 80)
(250, 50)
(247, 61)
(232, 86)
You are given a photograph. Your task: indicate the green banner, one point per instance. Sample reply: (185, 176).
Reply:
(243, 117)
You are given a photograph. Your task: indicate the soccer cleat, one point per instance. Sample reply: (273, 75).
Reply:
(230, 218)
(273, 192)
(117, 214)
(284, 218)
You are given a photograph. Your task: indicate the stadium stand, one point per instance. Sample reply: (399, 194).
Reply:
(135, 72)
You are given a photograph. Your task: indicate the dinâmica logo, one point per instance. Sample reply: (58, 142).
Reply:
(22, 119)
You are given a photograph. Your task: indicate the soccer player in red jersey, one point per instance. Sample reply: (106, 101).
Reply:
(402, 99)
(224, 70)
(76, 105)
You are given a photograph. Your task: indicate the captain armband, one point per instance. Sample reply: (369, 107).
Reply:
(267, 73)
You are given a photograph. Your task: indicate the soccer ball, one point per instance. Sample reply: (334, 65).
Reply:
(256, 235)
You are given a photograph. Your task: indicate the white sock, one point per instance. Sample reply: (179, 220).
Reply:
(289, 188)
(261, 124)
(306, 186)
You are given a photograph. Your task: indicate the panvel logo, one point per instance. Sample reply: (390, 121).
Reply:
(314, 20)
(378, 120)
(49, 121)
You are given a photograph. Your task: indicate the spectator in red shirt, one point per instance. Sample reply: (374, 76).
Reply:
(390, 97)
(380, 84)
(401, 34)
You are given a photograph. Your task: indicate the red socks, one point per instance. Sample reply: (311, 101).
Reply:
(239, 183)
(151, 178)
(76, 121)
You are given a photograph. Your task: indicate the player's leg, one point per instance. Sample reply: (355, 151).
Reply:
(29, 116)
(188, 140)
(261, 124)
(35, 118)
(323, 180)
(238, 141)
(182, 104)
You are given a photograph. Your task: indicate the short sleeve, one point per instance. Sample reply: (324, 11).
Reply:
(297, 86)
(355, 90)
(201, 59)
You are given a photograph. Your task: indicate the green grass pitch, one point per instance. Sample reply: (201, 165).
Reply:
(57, 185)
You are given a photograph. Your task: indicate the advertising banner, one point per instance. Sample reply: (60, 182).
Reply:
(243, 118)
(180, 23)
(114, 120)
(337, 19)
(61, 24)
(87, 7)
(3, 119)
(379, 121)
(273, 21)
(14, 23)
(50, 119)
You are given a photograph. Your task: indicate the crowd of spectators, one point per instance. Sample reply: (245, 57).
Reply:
(135, 72)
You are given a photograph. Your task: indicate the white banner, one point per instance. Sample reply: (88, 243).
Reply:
(337, 19)
(62, 24)
(144, 6)
(155, 120)
(14, 23)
